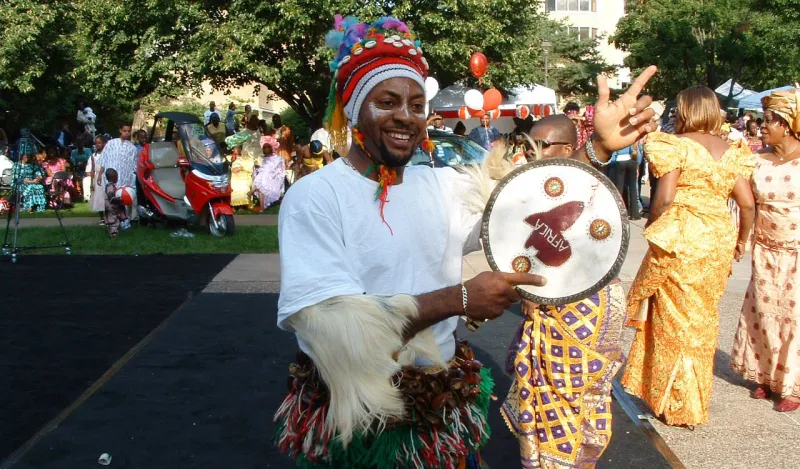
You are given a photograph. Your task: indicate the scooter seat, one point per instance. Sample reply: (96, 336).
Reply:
(170, 181)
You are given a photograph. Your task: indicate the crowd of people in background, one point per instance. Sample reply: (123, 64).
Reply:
(67, 168)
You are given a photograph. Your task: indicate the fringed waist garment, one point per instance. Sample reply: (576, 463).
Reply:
(445, 426)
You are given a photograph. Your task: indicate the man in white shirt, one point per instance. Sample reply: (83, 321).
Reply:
(212, 109)
(120, 154)
(437, 123)
(371, 255)
(87, 118)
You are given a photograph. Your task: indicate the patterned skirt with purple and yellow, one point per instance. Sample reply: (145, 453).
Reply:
(559, 405)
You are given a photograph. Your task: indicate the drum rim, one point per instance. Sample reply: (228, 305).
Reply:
(626, 234)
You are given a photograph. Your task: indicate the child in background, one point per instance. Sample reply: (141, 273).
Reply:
(115, 210)
(269, 177)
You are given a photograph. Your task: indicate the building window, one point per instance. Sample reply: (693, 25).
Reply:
(570, 5)
(583, 33)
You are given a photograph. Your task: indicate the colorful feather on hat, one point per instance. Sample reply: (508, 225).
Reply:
(346, 33)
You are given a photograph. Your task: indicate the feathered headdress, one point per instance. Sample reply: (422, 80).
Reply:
(366, 54)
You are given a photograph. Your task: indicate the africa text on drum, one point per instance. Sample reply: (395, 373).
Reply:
(547, 237)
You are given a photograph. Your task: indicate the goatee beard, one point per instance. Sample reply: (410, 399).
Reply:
(391, 160)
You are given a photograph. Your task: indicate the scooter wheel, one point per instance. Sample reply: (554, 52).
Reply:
(226, 226)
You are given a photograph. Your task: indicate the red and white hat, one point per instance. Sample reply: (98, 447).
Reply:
(366, 55)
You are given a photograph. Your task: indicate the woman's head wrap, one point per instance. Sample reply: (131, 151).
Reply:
(237, 140)
(785, 104)
(366, 55)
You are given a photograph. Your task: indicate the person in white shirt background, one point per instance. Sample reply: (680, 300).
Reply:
(436, 122)
(87, 118)
(212, 109)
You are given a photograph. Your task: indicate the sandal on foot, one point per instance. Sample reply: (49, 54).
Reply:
(762, 392)
(786, 405)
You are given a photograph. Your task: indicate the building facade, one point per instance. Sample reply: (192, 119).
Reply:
(590, 19)
(262, 101)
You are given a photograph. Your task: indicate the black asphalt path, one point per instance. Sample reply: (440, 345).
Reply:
(202, 393)
(66, 319)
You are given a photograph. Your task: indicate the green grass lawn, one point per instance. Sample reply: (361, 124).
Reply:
(81, 209)
(146, 240)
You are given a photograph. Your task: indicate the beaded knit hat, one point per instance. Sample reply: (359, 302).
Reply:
(366, 55)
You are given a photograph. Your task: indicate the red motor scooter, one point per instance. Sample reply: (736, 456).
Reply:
(183, 176)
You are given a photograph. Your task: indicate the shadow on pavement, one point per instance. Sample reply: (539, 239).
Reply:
(66, 320)
(202, 395)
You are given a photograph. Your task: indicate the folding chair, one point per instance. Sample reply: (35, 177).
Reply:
(58, 187)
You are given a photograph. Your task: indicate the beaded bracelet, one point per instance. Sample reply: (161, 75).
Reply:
(589, 147)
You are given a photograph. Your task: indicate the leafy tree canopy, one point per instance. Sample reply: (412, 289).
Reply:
(114, 53)
(708, 42)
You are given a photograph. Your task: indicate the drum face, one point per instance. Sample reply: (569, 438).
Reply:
(561, 219)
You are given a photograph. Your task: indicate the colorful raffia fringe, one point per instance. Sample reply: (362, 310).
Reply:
(301, 435)
(386, 176)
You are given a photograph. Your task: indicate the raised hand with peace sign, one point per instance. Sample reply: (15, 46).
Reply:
(619, 124)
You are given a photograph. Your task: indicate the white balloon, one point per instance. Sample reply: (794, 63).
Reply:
(473, 99)
(431, 88)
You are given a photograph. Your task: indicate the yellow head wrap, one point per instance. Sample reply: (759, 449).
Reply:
(787, 105)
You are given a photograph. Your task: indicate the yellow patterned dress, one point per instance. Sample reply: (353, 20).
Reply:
(559, 405)
(673, 301)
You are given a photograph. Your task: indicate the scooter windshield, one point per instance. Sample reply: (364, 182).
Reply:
(201, 150)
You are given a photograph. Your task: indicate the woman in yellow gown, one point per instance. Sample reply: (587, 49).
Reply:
(693, 242)
(247, 149)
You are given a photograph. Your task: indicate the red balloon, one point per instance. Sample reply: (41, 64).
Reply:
(477, 113)
(548, 110)
(491, 99)
(537, 110)
(464, 113)
(478, 65)
(495, 114)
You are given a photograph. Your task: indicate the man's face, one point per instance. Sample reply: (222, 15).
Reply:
(392, 119)
(212, 107)
(438, 123)
(485, 120)
(141, 137)
(125, 132)
(247, 109)
(99, 143)
(546, 138)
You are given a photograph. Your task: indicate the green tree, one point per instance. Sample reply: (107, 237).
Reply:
(708, 42)
(279, 44)
(575, 63)
(36, 63)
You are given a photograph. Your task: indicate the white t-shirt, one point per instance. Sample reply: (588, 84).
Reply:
(333, 241)
(208, 113)
(735, 135)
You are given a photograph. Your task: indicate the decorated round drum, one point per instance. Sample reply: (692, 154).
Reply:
(561, 219)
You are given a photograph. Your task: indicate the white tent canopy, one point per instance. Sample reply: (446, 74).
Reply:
(739, 92)
(452, 97)
(754, 101)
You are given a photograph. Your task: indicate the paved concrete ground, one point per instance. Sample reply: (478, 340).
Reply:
(241, 220)
(743, 433)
